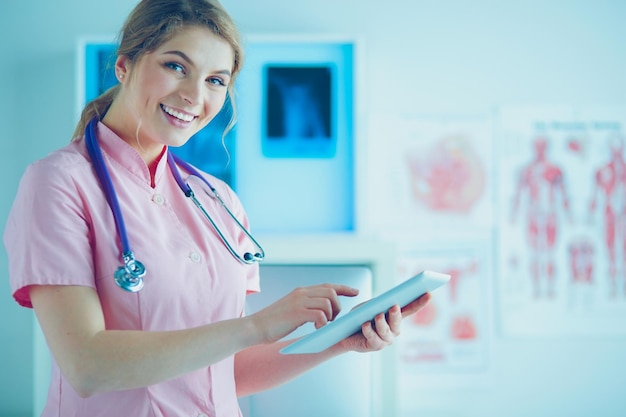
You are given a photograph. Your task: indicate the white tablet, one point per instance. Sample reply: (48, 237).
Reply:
(348, 324)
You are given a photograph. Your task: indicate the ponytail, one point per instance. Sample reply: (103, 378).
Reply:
(95, 108)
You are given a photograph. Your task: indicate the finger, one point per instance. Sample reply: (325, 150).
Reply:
(320, 309)
(320, 297)
(368, 332)
(321, 302)
(333, 292)
(325, 299)
(335, 303)
(318, 318)
(372, 340)
(382, 329)
(394, 319)
(344, 290)
(415, 305)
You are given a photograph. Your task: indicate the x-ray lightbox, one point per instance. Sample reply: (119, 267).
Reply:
(295, 134)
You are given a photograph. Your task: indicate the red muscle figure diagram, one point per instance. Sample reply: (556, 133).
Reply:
(610, 186)
(541, 182)
(580, 253)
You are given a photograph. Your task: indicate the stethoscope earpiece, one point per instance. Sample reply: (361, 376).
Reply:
(257, 257)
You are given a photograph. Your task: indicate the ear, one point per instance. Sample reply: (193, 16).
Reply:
(122, 68)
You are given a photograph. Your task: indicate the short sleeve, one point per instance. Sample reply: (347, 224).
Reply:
(47, 234)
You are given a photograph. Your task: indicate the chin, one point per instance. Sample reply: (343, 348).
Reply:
(178, 143)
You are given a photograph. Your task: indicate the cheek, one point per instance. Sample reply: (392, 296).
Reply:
(154, 87)
(214, 103)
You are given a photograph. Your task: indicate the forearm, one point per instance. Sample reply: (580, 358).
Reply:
(95, 359)
(118, 360)
(262, 367)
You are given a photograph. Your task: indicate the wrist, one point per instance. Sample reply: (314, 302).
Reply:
(340, 348)
(254, 334)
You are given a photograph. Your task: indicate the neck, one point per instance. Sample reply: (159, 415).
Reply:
(128, 129)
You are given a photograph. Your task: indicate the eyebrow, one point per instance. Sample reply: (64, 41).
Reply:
(186, 58)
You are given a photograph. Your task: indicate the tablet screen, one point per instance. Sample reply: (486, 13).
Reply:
(348, 324)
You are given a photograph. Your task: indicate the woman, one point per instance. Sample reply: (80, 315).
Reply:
(181, 346)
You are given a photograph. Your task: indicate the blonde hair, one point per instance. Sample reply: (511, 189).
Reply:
(154, 22)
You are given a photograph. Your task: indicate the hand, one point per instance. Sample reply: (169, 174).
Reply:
(317, 304)
(384, 328)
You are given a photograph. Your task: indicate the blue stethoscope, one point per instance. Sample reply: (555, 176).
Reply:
(130, 276)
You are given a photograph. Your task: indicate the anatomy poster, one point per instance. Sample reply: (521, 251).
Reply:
(450, 337)
(562, 220)
(437, 172)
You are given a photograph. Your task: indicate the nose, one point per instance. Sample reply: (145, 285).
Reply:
(191, 91)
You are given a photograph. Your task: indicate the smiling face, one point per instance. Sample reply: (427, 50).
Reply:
(171, 93)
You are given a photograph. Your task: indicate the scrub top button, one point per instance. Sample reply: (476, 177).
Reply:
(158, 199)
(194, 256)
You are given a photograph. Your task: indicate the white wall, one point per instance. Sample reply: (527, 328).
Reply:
(15, 323)
(450, 56)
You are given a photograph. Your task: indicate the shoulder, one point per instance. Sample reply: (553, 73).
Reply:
(68, 164)
(59, 182)
(65, 160)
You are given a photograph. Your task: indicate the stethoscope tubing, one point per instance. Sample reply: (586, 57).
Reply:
(105, 179)
(248, 258)
(130, 275)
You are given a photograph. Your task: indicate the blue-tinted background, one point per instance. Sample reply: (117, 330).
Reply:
(420, 57)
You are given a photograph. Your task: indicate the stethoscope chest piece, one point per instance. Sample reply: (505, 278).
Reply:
(129, 276)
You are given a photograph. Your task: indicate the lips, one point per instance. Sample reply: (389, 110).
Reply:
(185, 117)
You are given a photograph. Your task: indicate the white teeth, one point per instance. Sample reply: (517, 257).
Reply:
(176, 114)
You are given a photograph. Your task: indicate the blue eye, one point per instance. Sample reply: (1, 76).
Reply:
(175, 67)
(216, 81)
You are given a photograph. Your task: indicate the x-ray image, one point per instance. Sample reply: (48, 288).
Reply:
(298, 115)
(298, 103)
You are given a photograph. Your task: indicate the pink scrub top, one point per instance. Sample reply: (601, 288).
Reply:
(60, 231)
